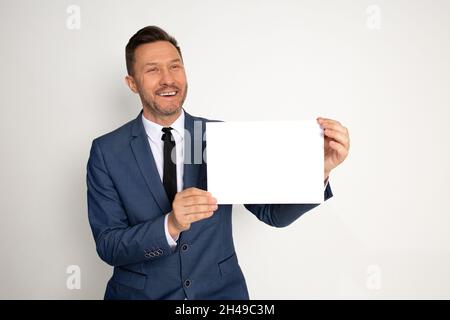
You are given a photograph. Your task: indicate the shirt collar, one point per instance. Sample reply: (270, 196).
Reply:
(154, 130)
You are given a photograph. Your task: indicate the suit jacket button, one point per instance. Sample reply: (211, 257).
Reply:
(184, 247)
(187, 283)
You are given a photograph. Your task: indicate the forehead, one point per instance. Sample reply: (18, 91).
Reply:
(156, 52)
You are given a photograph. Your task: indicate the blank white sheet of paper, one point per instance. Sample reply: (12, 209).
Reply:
(265, 162)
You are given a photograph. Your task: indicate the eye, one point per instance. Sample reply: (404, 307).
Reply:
(152, 70)
(175, 67)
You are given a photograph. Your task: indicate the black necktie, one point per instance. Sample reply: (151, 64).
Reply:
(170, 167)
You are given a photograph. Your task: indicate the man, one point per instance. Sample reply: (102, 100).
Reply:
(150, 214)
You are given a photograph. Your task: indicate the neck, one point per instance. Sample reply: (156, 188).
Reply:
(162, 120)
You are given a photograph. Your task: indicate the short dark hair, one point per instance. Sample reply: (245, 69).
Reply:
(148, 34)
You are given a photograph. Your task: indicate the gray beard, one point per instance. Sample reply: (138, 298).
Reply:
(155, 108)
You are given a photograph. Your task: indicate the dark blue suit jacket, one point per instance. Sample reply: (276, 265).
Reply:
(127, 203)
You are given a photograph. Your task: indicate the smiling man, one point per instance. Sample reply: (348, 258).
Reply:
(150, 214)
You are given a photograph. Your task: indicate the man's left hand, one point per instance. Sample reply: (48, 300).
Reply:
(336, 144)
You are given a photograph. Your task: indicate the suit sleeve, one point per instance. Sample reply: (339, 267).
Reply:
(282, 215)
(117, 242)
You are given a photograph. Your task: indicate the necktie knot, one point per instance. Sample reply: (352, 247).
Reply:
(167, 135)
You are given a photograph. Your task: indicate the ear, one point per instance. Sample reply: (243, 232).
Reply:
(131, 83)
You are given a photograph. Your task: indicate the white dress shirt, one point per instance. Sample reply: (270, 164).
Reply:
(154, 134)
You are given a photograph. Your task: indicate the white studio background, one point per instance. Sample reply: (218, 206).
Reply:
(382, 68)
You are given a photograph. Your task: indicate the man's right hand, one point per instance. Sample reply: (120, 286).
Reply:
(190, 205)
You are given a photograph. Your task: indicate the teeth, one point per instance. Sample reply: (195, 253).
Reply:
(165, 94)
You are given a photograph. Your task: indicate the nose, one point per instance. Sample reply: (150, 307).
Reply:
(166, 78)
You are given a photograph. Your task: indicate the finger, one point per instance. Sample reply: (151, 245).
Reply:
(200, 208)
(334, 126)
(341, 149)
(338, 136)
(199, 216)
(321, 120)
(194, 200)
(194, 192)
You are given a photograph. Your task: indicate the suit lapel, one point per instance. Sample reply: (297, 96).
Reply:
(193, 152)
(144, 158)
(194, 167)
